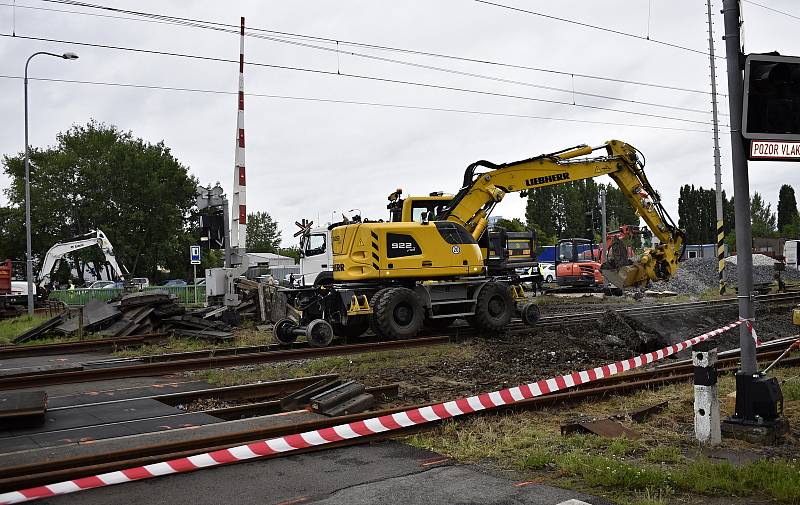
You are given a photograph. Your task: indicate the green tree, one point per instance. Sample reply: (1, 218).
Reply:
(515, 224)
(98, 177)
(787, 209)
(262, 233)
(763, 219)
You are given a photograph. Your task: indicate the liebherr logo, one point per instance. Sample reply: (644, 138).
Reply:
(536, 181)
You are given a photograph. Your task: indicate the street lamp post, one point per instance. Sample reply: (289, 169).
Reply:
(29, 254)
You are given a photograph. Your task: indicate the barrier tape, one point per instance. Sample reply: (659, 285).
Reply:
(749, 323)
(357, 429)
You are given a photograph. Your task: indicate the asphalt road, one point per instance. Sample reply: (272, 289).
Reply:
(382, 473)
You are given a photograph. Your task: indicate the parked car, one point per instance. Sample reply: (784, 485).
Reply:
(548, 271)
(141, 282)
(174, 282)
(102, 285)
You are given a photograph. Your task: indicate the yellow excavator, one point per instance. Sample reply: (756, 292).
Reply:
(397, 276)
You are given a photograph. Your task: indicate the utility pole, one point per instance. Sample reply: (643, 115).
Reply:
(758, 415)
(717, 168)
(741, 183)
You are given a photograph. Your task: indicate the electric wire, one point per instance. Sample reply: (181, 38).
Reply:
(594, 27)
(299, 36)
(353, 102)
(771, 9)
(371, 78)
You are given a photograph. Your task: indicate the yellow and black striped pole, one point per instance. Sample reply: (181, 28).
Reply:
(721, 255)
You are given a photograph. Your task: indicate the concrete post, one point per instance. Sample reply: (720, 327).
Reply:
(706, 397)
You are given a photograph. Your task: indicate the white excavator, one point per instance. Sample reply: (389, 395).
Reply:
(56, 253)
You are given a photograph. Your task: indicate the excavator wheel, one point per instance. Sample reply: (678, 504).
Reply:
(399, 314)
(319, 333)
(373, 302)
(530, 313)
(355, 327)
(283, 331)
(494, 307)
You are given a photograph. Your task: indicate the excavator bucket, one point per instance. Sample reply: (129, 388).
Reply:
(623, 276)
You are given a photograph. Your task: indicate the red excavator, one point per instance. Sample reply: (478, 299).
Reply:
(578, 260)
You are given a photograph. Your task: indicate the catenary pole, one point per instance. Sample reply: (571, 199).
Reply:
(717, 168)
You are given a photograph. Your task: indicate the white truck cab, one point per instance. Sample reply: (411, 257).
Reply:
(316, 256)
(791, 252)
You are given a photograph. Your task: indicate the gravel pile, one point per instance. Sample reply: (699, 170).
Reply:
(697, 275)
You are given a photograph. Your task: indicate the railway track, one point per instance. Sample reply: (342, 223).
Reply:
(55, 470)
(207, 362)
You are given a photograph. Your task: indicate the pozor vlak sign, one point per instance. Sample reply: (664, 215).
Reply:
(774, 150)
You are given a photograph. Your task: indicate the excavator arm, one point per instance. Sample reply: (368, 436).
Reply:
(61, 249)
(482, 191)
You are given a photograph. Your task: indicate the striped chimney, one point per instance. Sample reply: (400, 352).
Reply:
(239, 207)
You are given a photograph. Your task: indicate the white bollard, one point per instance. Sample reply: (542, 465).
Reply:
(706, 396)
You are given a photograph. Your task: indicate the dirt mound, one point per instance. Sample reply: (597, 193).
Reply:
(627, 333)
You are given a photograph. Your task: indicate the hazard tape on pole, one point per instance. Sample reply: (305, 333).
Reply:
(375, 425)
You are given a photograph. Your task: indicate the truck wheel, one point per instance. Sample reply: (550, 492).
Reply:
(439, 323)
(319, 333)
(282, 331)
(494, 308)
(530, 313)
(355, 327)
(373, 302)
(399, 314)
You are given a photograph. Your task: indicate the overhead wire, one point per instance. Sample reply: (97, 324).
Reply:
(771, 9)
(352, 102)
(369, 78)
(595, 27)
(163, 19)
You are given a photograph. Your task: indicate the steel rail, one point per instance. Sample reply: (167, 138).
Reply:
(30, 475)
(22, 351)
(151, 369)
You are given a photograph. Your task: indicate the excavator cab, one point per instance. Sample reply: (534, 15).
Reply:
(578, 263)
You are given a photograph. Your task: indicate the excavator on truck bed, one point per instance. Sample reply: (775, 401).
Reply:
(397, 276)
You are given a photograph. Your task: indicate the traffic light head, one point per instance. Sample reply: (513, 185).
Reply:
(771, 97)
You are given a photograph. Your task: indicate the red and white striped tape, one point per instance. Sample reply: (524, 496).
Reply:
(356, 429)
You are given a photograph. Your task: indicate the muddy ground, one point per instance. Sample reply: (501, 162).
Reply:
(488, 363)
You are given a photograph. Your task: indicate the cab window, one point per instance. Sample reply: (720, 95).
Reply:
(315, 245)
(565, 251)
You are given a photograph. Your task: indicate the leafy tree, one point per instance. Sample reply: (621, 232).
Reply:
(763, 219)
(292, 252)
(98, 177)
(262, 233)
(787, 209)
(515, 224)
(697, 214)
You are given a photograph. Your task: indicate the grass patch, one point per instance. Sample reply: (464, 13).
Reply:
(11, 328)
(665, 454)
(650, 471)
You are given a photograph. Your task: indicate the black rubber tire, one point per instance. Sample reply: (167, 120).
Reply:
(439, 323)
(530, 314)
(494, 308)
(281, 331)
(319, 333)
(399, 314)
(373, 303)
(356, 327)
(324, 279)
(549, 279)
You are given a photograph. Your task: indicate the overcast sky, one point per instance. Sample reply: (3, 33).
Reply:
(306, 159)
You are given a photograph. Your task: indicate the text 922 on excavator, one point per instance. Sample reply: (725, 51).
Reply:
(396, 277)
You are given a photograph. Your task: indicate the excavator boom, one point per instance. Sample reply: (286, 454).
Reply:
(482, 191)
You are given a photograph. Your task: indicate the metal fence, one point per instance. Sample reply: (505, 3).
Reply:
(74, 297)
